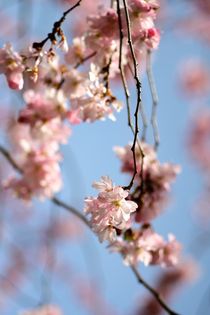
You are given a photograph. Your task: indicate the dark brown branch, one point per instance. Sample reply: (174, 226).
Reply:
(142, 112)
(155, 294)
(138, 103)
(121, 68)
(155, 100)
(72, 210)
(10, 159)
(55, 30)
(62, 81)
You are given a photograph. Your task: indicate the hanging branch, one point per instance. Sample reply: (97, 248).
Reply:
(80, 216)
(142, 112)
(138, 90)
(121, 68)
(155, 294)
(155, 100)
(56, 30)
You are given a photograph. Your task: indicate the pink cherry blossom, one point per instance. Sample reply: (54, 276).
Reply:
(11, 65)
(126, 156)
(153, 185)
(41, 108)
(103, 27)
(195, 78)
(76, 52)
(95, 102)
(148, 247)
(109, 210)
(139, 6)
(199, 139)
(41, 175)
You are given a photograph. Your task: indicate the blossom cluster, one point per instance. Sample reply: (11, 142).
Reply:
(152, 184)
(146, 246)
(115, 212)
(36, 140)
(110, 211)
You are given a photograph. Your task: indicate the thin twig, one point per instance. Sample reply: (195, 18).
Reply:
(87, 223)
(10, 159)
(121, 68)
(155, 100)
(85, 59)
(56, 27)
(82, 61)
(138, 89)
(69, 208)
(142, 112)
(155, 294)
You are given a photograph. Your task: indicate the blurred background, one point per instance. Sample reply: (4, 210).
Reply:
(47, 256)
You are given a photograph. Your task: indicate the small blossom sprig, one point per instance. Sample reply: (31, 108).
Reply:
(110, 211)
(111, 219)
(148, 247)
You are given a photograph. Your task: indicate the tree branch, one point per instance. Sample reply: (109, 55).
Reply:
(138, 90)
(155, 294)
(121, 68)
(56, 28)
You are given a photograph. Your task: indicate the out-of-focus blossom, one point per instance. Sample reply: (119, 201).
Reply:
(41, 108)
(76, 52)
(110, 210)
(148, 247)
(199, 139)
(11, 65)
(41, 175)
(139, 6)
(103, 29)
(44, 310)
(152, 185)
(195, 78)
